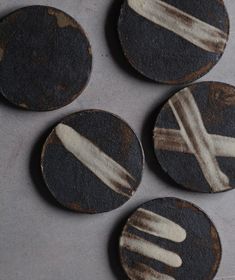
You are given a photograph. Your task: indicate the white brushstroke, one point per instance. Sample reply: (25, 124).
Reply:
(104, 167)
(224, 146)
(197, 139)
(172, 140)
(143, 272)
(192, 29)
(150, 250)
(157, 225)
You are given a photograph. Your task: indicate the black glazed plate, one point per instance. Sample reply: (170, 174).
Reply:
(45, 58)
(92, 162)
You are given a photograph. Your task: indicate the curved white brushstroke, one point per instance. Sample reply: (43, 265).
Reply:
(105, 168)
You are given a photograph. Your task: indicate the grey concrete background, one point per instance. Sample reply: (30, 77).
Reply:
(38, 239)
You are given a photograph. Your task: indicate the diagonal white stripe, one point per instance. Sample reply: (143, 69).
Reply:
(172, 140)
(143, 272)
(192, 29)
(157, 225)
(197, 139)
(104, 167)
(150, 250)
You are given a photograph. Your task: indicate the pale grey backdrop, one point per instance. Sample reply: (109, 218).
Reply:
(41, 241)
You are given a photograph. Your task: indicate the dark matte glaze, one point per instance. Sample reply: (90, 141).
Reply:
(71, 182)
(45, 58)
(162, 55)
(216, 103)
(200, 251)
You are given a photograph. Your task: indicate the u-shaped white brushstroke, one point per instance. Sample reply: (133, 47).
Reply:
(192, 29)
(104, 167)
(157, 225)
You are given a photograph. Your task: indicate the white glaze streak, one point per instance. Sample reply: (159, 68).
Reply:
(197, 139)
(192, 29)
(157, 225)
(172, 140)
(150, 250)
(144, 272)
(105, 168)
(224, 146)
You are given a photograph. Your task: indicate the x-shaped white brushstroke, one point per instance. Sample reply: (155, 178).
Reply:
(193, 138)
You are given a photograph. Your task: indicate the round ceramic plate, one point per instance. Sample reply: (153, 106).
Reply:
(194, 137)
(92, 162)
(45, 58)
(170, 239)
(173, 41)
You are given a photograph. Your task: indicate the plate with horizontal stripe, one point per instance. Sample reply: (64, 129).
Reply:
(92, 162)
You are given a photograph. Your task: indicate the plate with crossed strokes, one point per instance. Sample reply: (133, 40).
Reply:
(194, 137)
(92, 162)
(173, 41)
(169, 239)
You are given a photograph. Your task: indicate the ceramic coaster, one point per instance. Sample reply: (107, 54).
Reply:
(92, 162)
(173, 41)
(194, 137)
(169, 239)
(45, 58)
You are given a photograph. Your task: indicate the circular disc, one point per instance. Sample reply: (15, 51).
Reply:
(45, 58)
(92, 162)
(194, 137)
(173, 41)
(169, 238)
